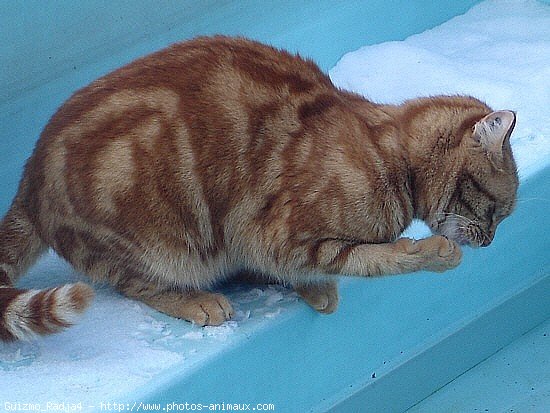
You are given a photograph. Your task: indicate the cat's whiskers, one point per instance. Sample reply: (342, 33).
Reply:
(452, 214)
(474, 233)
(522, 200)
(457, 226)
(451, 217)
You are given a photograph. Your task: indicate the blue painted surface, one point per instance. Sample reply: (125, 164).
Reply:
(414, 333)
(43, 40)
(516, 379)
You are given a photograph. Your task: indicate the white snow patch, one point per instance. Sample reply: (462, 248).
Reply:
(193, 335)
(120, 344)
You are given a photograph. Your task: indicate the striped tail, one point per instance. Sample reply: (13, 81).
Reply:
(25, 314)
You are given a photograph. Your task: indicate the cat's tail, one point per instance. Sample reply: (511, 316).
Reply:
(25, 314)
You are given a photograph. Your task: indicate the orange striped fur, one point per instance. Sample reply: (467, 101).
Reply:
(222, 155)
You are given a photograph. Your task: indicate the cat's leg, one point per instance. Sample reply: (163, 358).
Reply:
(112, 260)
(340, 257)
(200, 307)
(435, 253)
(321, 296)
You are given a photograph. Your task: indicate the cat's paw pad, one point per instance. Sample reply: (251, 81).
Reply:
(440, 253)
(207, 309)
(321, 297)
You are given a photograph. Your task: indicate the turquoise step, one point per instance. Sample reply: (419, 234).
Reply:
(515, 379)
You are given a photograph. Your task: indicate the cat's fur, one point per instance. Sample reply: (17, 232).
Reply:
(221, 155)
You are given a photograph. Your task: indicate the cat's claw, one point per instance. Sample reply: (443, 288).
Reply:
(207, 309)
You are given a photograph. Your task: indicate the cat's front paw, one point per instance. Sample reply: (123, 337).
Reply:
(438, 253)
(407, 245)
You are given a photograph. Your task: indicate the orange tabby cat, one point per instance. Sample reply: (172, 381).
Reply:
(221, 155)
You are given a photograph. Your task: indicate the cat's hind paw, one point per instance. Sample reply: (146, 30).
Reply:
(321, 297)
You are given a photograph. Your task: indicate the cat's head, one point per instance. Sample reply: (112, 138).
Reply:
(482, 189)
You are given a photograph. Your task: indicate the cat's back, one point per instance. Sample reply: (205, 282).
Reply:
(201, 72)
(215, 88)
(172, 142)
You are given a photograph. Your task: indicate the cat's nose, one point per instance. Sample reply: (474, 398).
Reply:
(488, 239)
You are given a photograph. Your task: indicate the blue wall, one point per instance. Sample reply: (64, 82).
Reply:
(42, 40)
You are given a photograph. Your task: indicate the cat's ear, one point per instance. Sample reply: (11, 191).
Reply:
(493, 132)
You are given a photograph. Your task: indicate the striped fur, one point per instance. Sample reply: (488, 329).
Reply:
(222, 155)
(28, 313)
